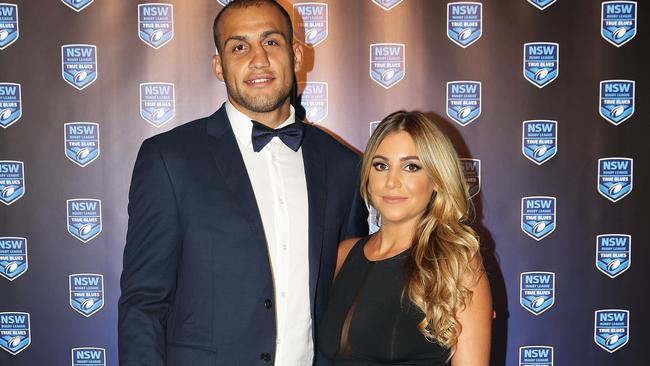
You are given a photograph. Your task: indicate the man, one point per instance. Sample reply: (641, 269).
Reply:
(234, 219)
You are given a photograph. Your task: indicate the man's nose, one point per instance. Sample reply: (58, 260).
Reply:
(260, 58)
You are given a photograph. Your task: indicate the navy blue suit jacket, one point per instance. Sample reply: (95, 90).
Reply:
(197, 287)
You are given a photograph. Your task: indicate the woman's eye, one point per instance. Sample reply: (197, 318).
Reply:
(412, 167)
(271, 43)
(238, 47)
(380, 166)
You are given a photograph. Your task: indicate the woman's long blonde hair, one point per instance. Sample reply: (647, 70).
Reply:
(445, 250)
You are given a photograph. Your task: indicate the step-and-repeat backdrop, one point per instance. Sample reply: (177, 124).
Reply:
(546, 101)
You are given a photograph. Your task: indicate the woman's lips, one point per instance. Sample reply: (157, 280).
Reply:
(393, 199)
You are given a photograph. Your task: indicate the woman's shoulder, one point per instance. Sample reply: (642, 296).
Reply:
(345, 247)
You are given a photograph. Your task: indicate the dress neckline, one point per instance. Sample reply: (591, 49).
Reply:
(395, 256)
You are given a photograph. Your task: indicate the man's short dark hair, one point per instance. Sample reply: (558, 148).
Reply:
(246, 4)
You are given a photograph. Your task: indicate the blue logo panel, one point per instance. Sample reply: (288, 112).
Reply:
(613, 253)
(541, 4)
(464, 22)
(13, 257)
(618, 21)
(611, 329)
(87, 356)
(81, 142)
(387, 63)
(87, 293)
(79, 63)
(537, 291)
(472, 173)
(84, 218)
(15, 334)
(374, 220)
(12, 181)
(616, 100)
(615, 177)
(373, 126)
(155, 24)
(77, 5)
(538, 216)
(387, 4)
(536, 356)
(312, 22)
(9, 31)
(539, 141)
(314, 99)
(157, 103)
(463, 101)
(11, 107)
(541, 62)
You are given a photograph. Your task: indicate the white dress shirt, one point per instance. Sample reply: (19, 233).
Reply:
(277, 175)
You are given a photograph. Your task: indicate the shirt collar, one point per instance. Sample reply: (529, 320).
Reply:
(242, 126)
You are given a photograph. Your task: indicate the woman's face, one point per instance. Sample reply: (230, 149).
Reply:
(399, 187)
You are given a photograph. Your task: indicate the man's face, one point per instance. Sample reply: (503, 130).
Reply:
(257, 63)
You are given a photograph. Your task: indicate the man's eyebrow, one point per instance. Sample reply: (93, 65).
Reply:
(261, 35)
(270, 32)
(235, 38)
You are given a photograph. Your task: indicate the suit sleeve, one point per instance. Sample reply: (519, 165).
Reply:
(356, 221)
(151, 254)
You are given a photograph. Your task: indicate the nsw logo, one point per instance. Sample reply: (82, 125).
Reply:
(539, 141)
(81, 142)
(536, 356)
(15, 333)
(618, 21)
(87, 293)
(373, 126)
(77, 5)
(387, 63)
(541, 62)
(11, 107)
(541, 4)
(615, 177)
(12, 181)
(463, 101)
(374, 220)
(13, 257)
(155, 24)
(537, 291)
(157, 103)
(84, 218)
(616, 100)
(84, 356)
(79, 63)
(611, 329)
(312, 22)
(314, 100)
(472, 173)
(613, 253)
(464, 22)
(538, 216)
(387, 4)
(9, 31)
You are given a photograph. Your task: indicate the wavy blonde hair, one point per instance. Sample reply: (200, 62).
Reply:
(445, 249)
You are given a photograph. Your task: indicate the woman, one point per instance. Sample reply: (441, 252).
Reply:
(414, 293)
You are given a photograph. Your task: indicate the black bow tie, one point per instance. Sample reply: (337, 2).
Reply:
(291, 135)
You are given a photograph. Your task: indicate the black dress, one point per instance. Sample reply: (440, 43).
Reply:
(367, 323)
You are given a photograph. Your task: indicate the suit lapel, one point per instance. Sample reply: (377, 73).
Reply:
(230, 163)
(316, 177)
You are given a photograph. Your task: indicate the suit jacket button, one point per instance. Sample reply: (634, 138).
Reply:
(265, 357)
(268, 303)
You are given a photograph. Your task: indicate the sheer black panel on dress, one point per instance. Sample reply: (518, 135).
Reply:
(367, 323)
